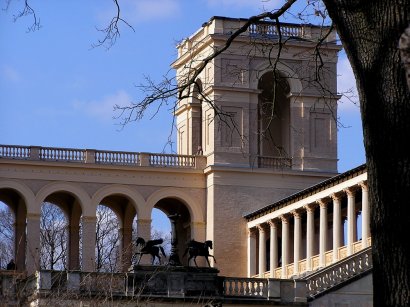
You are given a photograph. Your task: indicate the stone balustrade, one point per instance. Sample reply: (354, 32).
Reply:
(274, 162)
(151, 282)
(106, 157)
(339, 272)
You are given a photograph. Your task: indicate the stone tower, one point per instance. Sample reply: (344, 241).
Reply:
(263, 113)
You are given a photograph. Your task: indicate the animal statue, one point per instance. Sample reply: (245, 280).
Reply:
(195, 248)
(149, 247)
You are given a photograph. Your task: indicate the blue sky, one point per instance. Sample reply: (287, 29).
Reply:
(55, 90)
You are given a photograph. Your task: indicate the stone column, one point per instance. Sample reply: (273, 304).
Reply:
(322, 233)
(310, 234)
(262, 250)
(144, 228)
(365, 214)
(351, 220)
(174, 255)
(273, 248)
(285, 244)
(251, 252)
(33, 243)
(337, 226)
(73, 247)
(20, 237)
(125, 248)
(297, 240)
(88, 224)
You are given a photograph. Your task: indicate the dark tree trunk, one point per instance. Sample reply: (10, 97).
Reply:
(370, 32)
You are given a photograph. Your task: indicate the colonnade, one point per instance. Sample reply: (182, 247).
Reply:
(297, 229)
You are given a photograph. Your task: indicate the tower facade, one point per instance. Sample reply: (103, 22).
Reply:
(263, 112)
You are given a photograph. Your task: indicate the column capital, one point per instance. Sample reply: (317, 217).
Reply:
(363, 185)
(261, 227)
(296, 213)
(89, 219)
(251, 232)
(33, 216)
(273, 223)
(285, 218)
(336, 196)
(310, 207)
(350, 190)
(322, 202)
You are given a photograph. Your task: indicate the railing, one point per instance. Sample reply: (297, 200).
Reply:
(14, 152)
(286, 30)
(91, 156)
(314, 261)
(274, 162)
(117, 157)
(165, 160)
(62, 154)
(339, 272)
(252, 287)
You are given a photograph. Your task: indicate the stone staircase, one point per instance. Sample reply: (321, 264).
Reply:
(338, 273)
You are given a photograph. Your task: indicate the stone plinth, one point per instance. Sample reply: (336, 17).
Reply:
(174, 281)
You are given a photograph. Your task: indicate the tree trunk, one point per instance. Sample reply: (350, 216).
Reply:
(370, 32)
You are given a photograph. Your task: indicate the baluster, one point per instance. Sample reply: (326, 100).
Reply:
(235, 287)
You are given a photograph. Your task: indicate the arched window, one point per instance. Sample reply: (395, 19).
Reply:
(274, 115)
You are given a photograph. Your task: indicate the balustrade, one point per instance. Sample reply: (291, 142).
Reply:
(62, 154)
(117, 157)
(165, 160)
(274, 162)
(339, 272)
(271, 29)
(253, 287)
(101, 157)
(14, 152)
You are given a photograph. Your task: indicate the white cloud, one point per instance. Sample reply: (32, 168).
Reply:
(346, 85)
(10, 74)
(102, 109)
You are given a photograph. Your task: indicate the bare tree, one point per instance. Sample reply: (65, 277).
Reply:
(107, 240)
(6, 236)
(53, 238)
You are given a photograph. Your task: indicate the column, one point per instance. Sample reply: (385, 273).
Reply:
(262, 250)
(365, 214)
(144, 228)
(20, 236)
(73, 246)
(337, 225)
(251, 252)
(273, 248)
(88, 224)
(33, 243)
(322, 233)
(125, 248)
(296, 240)
(351, 220)
(310, 234)
(285, 244)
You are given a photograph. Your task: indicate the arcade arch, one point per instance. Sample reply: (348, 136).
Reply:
(60, 230)
(15, 196)
(119, 240)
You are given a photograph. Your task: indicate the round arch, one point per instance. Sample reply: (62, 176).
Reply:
(134, 196)
(195, 210)
(24, 191)
(291, 76)
(79, 193)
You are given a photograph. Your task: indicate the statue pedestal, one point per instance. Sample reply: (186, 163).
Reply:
(174, 281)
